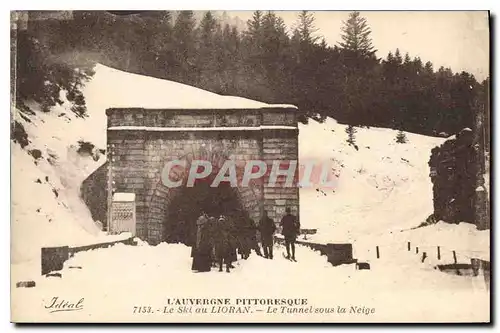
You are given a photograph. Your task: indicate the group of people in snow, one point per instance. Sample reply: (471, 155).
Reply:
(219, 240)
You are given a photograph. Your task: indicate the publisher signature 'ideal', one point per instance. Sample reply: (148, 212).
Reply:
(57, 304)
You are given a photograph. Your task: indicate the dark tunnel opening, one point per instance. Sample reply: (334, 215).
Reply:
(190, 202)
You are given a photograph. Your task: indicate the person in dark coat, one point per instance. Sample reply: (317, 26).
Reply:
(290, 230)
(202, 249)
(232, 240)
(221, 243)
(213, 230)
(251, 237)
(267, 229)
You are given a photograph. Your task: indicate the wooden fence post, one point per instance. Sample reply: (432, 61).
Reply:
(455, 262)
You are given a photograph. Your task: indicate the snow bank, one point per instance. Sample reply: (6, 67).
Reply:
(464, 238)
(114, 88)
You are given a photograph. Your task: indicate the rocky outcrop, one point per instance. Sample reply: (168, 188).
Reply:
(457, 168)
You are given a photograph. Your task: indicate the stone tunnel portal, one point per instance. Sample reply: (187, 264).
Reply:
(142, 141)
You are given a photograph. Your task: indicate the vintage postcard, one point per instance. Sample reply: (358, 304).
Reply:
(250, 166)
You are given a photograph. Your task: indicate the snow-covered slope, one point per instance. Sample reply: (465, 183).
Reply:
(46, 208)
(382, 186)
(114, 88)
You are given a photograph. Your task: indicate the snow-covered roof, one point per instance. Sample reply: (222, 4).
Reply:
(127, 90)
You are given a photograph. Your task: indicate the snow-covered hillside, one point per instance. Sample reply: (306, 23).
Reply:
(382, 186)
(46, 208)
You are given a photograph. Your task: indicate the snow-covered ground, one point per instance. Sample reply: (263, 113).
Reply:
(112, 281)
(382, 193)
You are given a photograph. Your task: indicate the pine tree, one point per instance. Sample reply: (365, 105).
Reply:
(184, 43)
(401, 137)
(351, 139)
(360, 75)
(356, 36)
(407, 60)
(255, 23)
(397, 57)
(306, 28)
(429, 69)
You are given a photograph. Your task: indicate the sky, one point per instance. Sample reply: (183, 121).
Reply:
(455, 39)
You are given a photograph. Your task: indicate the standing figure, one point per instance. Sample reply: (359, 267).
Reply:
(221, 243)
(290, 230)
(267, 229)
(213, 230)
(202, 248)
(250, 231)
(232, 240)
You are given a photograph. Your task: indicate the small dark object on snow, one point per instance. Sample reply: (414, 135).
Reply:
(38, 181)
(85, 147)
(25, 284)
(362, 265)
(18, 134)
(424, 256)
(59, 275)
(46, 178)
(36, 153)
(77, 267)
(55, 192)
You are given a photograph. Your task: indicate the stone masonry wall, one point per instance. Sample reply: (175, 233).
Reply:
(138, 155)
(278, 145)
(93, 192)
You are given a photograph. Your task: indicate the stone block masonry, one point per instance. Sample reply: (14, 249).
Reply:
(142, 141)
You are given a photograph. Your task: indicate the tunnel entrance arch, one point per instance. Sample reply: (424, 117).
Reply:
(142, 141)
(190, 202)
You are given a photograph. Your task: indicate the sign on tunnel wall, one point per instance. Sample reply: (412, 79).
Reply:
(123, 214)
